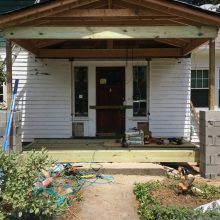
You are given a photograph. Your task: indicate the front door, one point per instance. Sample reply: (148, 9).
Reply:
(110, 94)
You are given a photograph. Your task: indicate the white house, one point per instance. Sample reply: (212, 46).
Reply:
(91, 68)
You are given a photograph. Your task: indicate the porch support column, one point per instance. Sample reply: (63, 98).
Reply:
(212, 74)
(9, 71)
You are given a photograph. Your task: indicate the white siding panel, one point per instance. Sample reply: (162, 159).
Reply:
(43, 97)
(170, 97)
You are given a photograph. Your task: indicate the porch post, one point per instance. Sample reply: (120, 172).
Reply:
(212, 74)
(9, 71)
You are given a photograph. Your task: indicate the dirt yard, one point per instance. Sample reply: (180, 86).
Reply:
(116, 201)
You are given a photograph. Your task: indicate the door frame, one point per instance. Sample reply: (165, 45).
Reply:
(130, 121)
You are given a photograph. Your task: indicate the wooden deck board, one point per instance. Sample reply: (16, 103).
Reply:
(73, 150)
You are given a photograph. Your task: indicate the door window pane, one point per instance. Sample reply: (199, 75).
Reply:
(81, 91)
(139, 91)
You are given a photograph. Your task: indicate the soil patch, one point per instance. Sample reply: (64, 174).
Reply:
(168, 197)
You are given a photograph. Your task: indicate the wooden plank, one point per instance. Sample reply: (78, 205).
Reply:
(173, 42)
(27, 46)
(108, 13)
(106, 22)
(212, 74)
(193, 45)
(109, 53)
(179, 10)
(34, 13)
(144, 32)
(110, 44)
(9, 71)
(138, 156)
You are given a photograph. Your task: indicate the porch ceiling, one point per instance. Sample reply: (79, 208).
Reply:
(114, 28)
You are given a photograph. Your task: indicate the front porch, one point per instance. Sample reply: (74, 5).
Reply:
(107, 151)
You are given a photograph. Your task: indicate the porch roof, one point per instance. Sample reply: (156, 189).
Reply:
(110, 28)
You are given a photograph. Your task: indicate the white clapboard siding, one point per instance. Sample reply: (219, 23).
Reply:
(170, 97)
(194, 131)
(44, 97)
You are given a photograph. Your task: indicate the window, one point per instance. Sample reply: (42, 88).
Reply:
(200, 87)
(81, 91)
(139, 91)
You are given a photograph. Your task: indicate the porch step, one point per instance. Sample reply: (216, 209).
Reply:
(149, 169)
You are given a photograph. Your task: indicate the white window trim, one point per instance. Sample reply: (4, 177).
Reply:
(196, 69)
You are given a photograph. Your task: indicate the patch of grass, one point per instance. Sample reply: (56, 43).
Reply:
(209, 191)
(151, 209)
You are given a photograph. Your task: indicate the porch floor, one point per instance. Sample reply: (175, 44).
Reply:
(107, 150)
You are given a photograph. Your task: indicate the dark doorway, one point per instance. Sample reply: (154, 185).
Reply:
(110, 94)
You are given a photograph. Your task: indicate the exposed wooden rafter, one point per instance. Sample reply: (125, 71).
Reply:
(176, 13)
(173, 42)
(179, 10)
(192, 45)
(27, 46)
(40, 11)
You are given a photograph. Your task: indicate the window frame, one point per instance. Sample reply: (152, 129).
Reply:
(202, 87)
(146, 91)
(74, 91)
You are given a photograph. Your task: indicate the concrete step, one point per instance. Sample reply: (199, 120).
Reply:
(148, 169)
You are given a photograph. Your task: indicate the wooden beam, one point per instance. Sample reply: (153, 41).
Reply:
(110, 44)
(143, 32)
(212, 74)
(143, 155)
(108, 13)
(102, 23)
(9, 71)
(109, 53)
(179, 10)
(173, 42)
(109, 4)
(193, 45)
(46, 43)
(27, 46)
(39, 11)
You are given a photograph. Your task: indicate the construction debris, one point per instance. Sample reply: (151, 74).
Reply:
(65, 180)
(186, 180)
(211, 205)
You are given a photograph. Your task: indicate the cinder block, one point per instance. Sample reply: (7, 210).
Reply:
(209, 175)
(210, 140)
(215, 131)
(209, 115)
(204, 124)
(207, 168)
(210, 159)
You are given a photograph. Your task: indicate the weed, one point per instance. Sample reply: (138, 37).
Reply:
(151, 209)
(18, 199)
